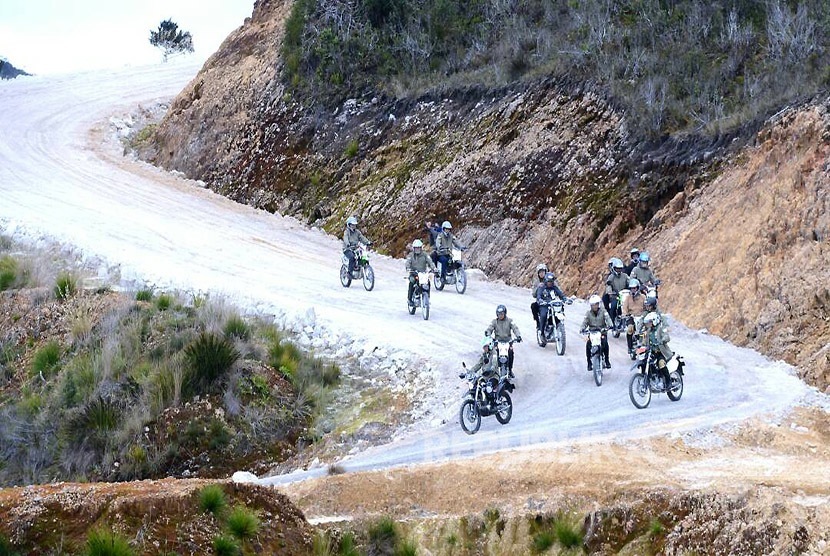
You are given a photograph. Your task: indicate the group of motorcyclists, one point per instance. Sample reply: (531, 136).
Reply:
(630, 297)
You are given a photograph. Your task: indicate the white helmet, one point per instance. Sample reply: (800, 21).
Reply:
(446, 225)
(351, 220)
(417, 244)
(652, 319)
(541, 266)
(594, 300)
(633, 283)
(616, 265)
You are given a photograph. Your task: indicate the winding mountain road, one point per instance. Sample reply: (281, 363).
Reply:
(63, 176)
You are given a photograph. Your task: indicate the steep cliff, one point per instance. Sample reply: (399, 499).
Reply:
(542, 169)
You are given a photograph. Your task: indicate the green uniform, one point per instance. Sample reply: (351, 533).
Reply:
(644, 275)
(616, 282)
(503, 329)
(600, 319)
(351, 238)
(419, 262)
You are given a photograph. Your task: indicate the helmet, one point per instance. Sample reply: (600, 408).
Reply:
(446, 225)
(541, 266)
(594, 300)
(644, 258)
(651, 300)
(634, 252)
(417, 244)
(485, 342)
(633, 283)
(616, 265)
(501, 310)
(652, 319)
(550, 277)
(351, 222)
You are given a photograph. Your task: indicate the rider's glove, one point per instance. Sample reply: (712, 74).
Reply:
(462, 375)
(519, 340)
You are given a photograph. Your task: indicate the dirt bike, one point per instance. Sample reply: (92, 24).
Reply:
(649, 379)
(455, 274)
(618, 318)
(595, 338)
(420, 294)
(554, 329)
(362, 269)
(488, 394)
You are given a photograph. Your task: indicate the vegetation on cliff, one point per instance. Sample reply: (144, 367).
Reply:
(675, 66)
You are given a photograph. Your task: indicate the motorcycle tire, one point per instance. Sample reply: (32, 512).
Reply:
(368, 278)
(345, 276)
(437, 281)
(411, 307)
(616, 332)
(461, 281)
(425, 305)
(559, 336)
(469, 418)
(540, 338)
(505, 414)
(639, 391)
(596, 364)
(676, 389)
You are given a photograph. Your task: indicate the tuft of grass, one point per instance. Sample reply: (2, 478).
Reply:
(383, 532)
(406, 548)
(243, 523)
(567, 534)
(543, 540)
(163, 302)
(107, 543)
(237, 328)
(46, 361)
(352, 149)
(226, 546)
(348, 546)
(336, 469)
(65, 286)
(8, 272)
(655, 528)
(212, 500)
(208, 358)
(6, 548)
(145, 294)
(323, 545)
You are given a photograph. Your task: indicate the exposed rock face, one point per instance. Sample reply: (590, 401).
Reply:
(8, 71)
(538, 171)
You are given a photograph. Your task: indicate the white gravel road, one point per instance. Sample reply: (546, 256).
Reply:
(63, 176)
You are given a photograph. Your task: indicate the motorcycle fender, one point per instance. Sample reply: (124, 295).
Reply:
(636, 367)
(505, 386)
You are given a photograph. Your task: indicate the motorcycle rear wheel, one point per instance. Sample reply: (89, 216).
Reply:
(368, 278)
(676, 389)
(345, 276)
(425, 305)
(469, 417)
(559, 336)
(639, 391)
(461, 281)
(505, 414)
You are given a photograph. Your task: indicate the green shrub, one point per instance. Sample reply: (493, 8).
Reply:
(543, 540)
(655, 528)
(6, 548)
(163, 302)
(406, 548)
(218, 434)
(65, 286)
(145, 294)
(8, 272)
(352, 149)
(347, 545)
(46, 361)
(209, 357)
(106, 543)
(243, 523)
(212, 500)
(237, 328)
(101, 415)
(383, 531)
(322, 545)
(284, 356)
(567, 534)
(226, 546)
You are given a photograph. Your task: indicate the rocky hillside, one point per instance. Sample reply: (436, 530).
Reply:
(543, 168)
(8, 71)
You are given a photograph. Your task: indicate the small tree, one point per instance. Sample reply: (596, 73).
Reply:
(170, 39)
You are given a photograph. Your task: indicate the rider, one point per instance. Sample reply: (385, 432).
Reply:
(617, 281)
(597, 317)
(635, 260)
(503, 329)
(541, 271)
(433, 229)
(657, 338)
(633, 306)
(544, 295)
(486, 362)
(352, 237)
(444, 243)
(416, 262)
(643, 273)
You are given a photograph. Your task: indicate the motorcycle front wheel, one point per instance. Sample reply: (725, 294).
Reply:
(559, 335)
(437, 281)
(425, 305)
(469, 417)
(345, 276)
(617, 327)
(639, 391)
(596, 363)
(540, 338)
(461, 281)
(368, 278)
(410, 306)
(504, 414)
(676, 389)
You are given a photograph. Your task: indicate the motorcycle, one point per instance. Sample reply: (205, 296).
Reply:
(595, 339)
(554, 328)
(363, 270)
(649, 379)
(617, 317)
(455, 274)
(487, 394)
(420, 295)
